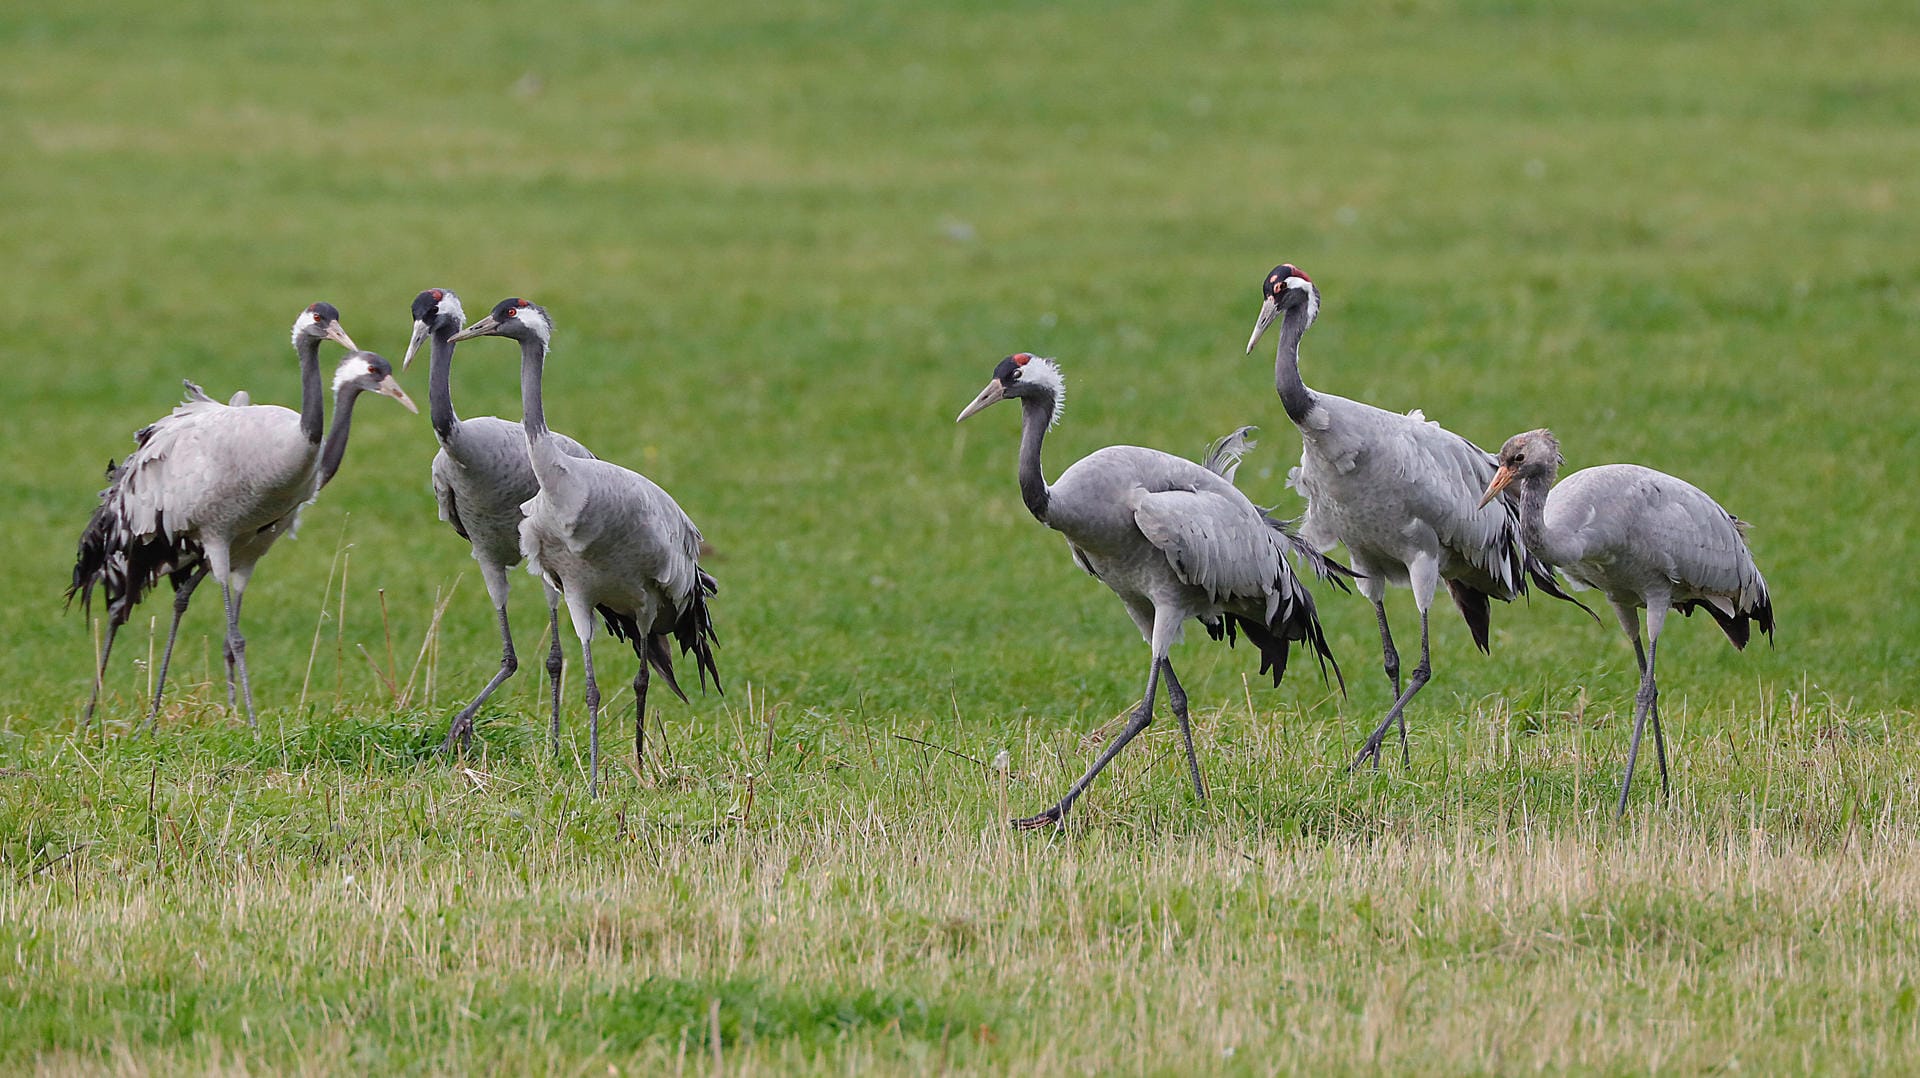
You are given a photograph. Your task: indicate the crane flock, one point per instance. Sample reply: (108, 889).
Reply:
(210, 487)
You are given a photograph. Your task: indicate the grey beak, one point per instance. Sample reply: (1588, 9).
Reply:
(390, 388)
(1267, 311)
(478, 329)
(336, 332)
(994, 393)
(419, 334)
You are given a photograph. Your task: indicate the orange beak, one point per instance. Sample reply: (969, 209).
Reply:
(1500, 480)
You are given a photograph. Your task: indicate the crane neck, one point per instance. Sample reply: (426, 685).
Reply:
(1541, 541)
(335, 450)
(1295, 397)
(1036, 414)
(533, 356)
(440, 385)
(312, 398)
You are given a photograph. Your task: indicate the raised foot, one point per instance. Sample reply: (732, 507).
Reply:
(1049, 818)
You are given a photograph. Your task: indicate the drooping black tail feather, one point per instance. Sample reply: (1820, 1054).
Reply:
(1475, 609)
(123, 565)
(1304, 552)
(1542, 576)
(1299, 622)
(1738, 627)
(693, 631)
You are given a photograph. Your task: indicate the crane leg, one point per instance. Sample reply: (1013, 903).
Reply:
(1645, 701)
(1177, 700)
(556, 662)
(640, 682)
(237, 644)
(182, 595)
(1142, 717)
(100, 672)
(461, 728)
(1398, 712)
(1390, 657)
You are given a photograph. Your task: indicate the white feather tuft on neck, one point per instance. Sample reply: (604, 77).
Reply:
(1045, 372)
(302, 326)
(450, 305)
(536, 320)
(1313, 296)
(350, 368)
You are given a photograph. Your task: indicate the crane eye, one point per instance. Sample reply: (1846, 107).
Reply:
(1519, 458)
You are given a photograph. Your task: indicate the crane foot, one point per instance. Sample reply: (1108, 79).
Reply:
(1051, 817)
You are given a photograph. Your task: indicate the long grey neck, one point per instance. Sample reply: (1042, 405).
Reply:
(440, 385)
(313, 417)
(1295, 397)
(533, 355)
(336, 447)
(1035, 414)
(1533, 520)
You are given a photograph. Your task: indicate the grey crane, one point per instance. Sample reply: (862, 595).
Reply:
(1402, 493)
(210, 487)
(1173, 539)
(481, 477)
(1645, 540)
(610, 540)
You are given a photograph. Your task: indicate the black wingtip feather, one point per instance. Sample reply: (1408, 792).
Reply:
(1476, 610)
(693, 631)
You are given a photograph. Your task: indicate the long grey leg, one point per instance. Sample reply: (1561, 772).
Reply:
(1177, 699)
(1645, 701)
(181, 596)
(1389, 656)
(100, 672)
(1142, 717)
(593, 720)
(461, 728)
(556, 662)
(1397, 713)
(238, 644)
(640, 682)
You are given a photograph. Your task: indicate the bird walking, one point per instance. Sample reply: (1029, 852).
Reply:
(1403, 494)
(1173, 539)
(481, 477)
(210, 487)
(1645, 540)
(610, 540)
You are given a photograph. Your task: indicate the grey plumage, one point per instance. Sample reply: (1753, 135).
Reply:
(610, 540)
(1401, 493)
(1173, 539)
(210, 487)
(1645, 540)
(481, 478)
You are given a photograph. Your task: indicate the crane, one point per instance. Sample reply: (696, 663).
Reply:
(1173, 539)
(1402, 493)
(481, 477)
(210, 487)
(610, 540)
(1645, 540)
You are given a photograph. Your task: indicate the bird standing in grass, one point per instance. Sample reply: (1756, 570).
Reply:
(609, 539)
(1173, 539)
(481, 477)
(1402, 494)
(210, 487)
(1645, 540)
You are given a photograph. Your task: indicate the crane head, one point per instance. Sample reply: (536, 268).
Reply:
(437, 310)
(1286, 286)
(369, 371)
(1022, 374)
(516, 318)
(321, 322)
(1533, 453)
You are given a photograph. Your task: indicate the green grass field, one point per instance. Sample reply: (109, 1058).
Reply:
(783, 247)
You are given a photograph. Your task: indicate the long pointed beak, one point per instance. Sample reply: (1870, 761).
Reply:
(1267, 311)
(390, 388)
(419, 334)
(336, 333)
(994, 393)
(1500, 480)
(478, 329)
